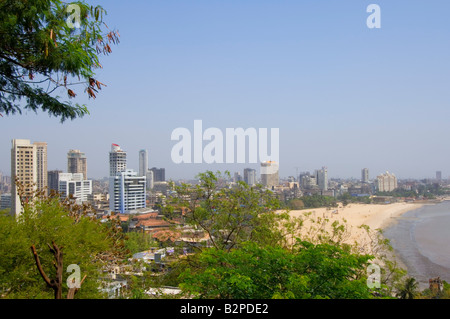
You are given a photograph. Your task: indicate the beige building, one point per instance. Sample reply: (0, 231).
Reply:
(269, 174)
(29, 166)
(24, 169)
(41, 166)
(77, 163)
(386, 182)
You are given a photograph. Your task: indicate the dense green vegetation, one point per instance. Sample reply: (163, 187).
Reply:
(86, 242)
(313, 201)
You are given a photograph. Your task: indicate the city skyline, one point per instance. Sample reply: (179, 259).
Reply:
(342, 95)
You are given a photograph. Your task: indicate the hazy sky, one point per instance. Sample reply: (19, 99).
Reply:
(342, 95)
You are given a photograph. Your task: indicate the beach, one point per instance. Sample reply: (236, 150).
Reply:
(375, 216)
(416, 231)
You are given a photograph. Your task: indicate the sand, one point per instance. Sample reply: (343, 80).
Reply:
(375, 216)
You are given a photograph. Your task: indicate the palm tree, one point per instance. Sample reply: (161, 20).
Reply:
(408, 289)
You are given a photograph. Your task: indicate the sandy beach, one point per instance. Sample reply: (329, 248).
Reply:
(375, 216)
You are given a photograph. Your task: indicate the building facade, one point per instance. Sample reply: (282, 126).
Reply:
(386, 182)
(159, 174)
(250, 176)
(365, 175)
(117, 160)
(41, 166)
(143, 162)
(53, 180)
(76, 186)
(149, 179)
(77, 163)
(24, 169)
(269, 174)
(322, 178)
(127, 192)
(5, 201)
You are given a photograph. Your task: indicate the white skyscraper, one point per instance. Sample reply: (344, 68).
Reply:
(117, 160)
(127, 192)
(143, 162)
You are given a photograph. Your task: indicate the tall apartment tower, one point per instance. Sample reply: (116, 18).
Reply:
(250, 176)
(386, 182)
(77, 163)
(127, 192)
(117, 160)
(159, 174)
(143, 162)
(365, 175)
(269, 174)
(41, 166)
(439, 176)
(322, 178)
(24, 169)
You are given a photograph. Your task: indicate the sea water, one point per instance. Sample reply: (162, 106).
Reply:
(421, 239)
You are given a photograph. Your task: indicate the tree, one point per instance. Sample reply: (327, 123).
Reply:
(227, 216)
(265, 272)
(87, 243)
(408, 289)
(47, 47)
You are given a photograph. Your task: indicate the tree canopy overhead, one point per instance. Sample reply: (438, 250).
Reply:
(48, 47)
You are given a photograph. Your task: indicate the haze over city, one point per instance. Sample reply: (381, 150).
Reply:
(342, 95)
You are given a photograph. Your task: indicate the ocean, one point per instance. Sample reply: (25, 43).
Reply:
(421, 239)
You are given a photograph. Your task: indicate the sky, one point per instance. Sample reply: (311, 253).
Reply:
(341, 94)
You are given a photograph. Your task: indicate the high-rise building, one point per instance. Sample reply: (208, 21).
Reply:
(365, 175)
(53, 180)
(117, 160)
(439, 176)
(77, 163)
(127, 192)
(75, 185)
(41, 166)
(149, 179)
(159, 174)
(269, 174)
(386, 182)
(143, 162)
(250, 176)
(24, 169)
(322, 178)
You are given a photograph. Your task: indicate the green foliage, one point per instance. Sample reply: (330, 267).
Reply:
(41, 55)
(316, 201)
(346, 198)
(264, 272)
(408, 289)
(137, 242)
(229, 216)
(84, 240)
(428, 191)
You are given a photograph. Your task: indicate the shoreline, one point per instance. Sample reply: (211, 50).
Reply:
(377, 217)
